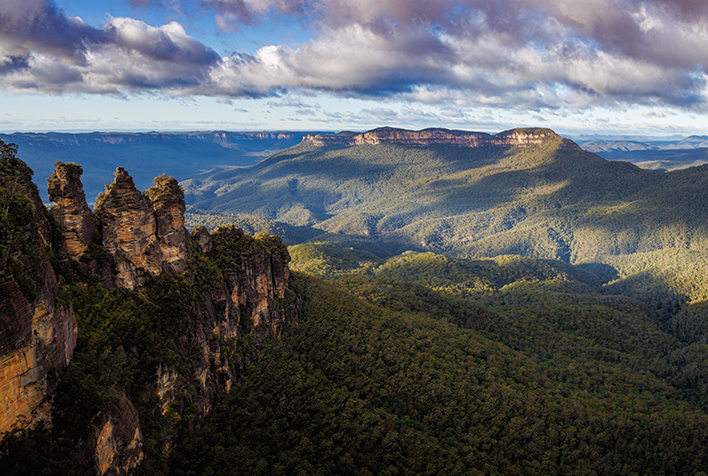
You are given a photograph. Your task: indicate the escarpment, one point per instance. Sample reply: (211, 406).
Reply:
(166, 320)
(388, 135)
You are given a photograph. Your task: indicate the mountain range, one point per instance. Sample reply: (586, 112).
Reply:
(146, 154)
(449, 302)
(476, 195)
(662, 155)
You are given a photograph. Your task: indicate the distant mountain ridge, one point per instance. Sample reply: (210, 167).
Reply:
(620, 145)
(436, 136)
(660, 155)
(146, 154)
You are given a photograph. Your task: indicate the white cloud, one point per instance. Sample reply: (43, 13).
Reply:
(512, 54)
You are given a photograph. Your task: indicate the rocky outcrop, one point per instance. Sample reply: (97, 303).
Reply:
(37, 335)
(255, 285)
(201, 236)
(167, 201)
(144, 234)
(388, 135)
(249, 299)
(70, 209)
(234, 297)
(115, 447)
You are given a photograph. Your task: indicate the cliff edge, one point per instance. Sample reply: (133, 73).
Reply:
(166, 319)
(522, 137)
(37, 334)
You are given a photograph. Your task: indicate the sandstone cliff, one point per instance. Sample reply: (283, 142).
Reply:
(37, 335)
(70, 209)
(387, 135)
(143, 234)
(170, 319)
(115, 446)
(248, 300)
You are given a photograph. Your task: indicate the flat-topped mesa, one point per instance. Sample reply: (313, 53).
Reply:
(145, 237)
(524, 137)
(390, 135)
(70, 209)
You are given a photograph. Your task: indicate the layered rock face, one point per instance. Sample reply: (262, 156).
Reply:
(28, 370)
(426, 137)
(37, 335)
(254, 287)
(117, 441)
(143, 236)
(70, 208)
(241, 289)
(167, 201)
(250, 300)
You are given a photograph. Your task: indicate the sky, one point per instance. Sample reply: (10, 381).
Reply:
(626, 67)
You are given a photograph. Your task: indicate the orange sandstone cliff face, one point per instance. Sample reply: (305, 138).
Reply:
(144, 236)
(388, 135)
(70, 209)
(37, 335)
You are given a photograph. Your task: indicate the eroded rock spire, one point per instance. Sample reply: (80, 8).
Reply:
(143, 233)
(70, 208)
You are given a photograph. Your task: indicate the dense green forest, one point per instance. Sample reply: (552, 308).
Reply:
(551, 200)
(424, 364)
(588, 355)
(416, 364)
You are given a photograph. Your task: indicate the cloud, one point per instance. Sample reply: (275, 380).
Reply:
(42, 50)
(37, 26)
(292, 102)
(513, 54)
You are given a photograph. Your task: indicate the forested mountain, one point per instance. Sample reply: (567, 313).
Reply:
(380, 353)
(476, 195)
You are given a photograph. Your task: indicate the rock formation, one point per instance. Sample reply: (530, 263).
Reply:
(240, 291)
(167, 201)
(116, 445)
(389, 135)
(37, 335)
(250, 300)
(255, 286)
(70, 209)
(143, 235)
(201, 235)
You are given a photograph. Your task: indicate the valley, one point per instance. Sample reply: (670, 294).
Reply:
(447, 302)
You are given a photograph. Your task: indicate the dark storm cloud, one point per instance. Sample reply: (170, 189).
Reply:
(37, 25)
(9, 64)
